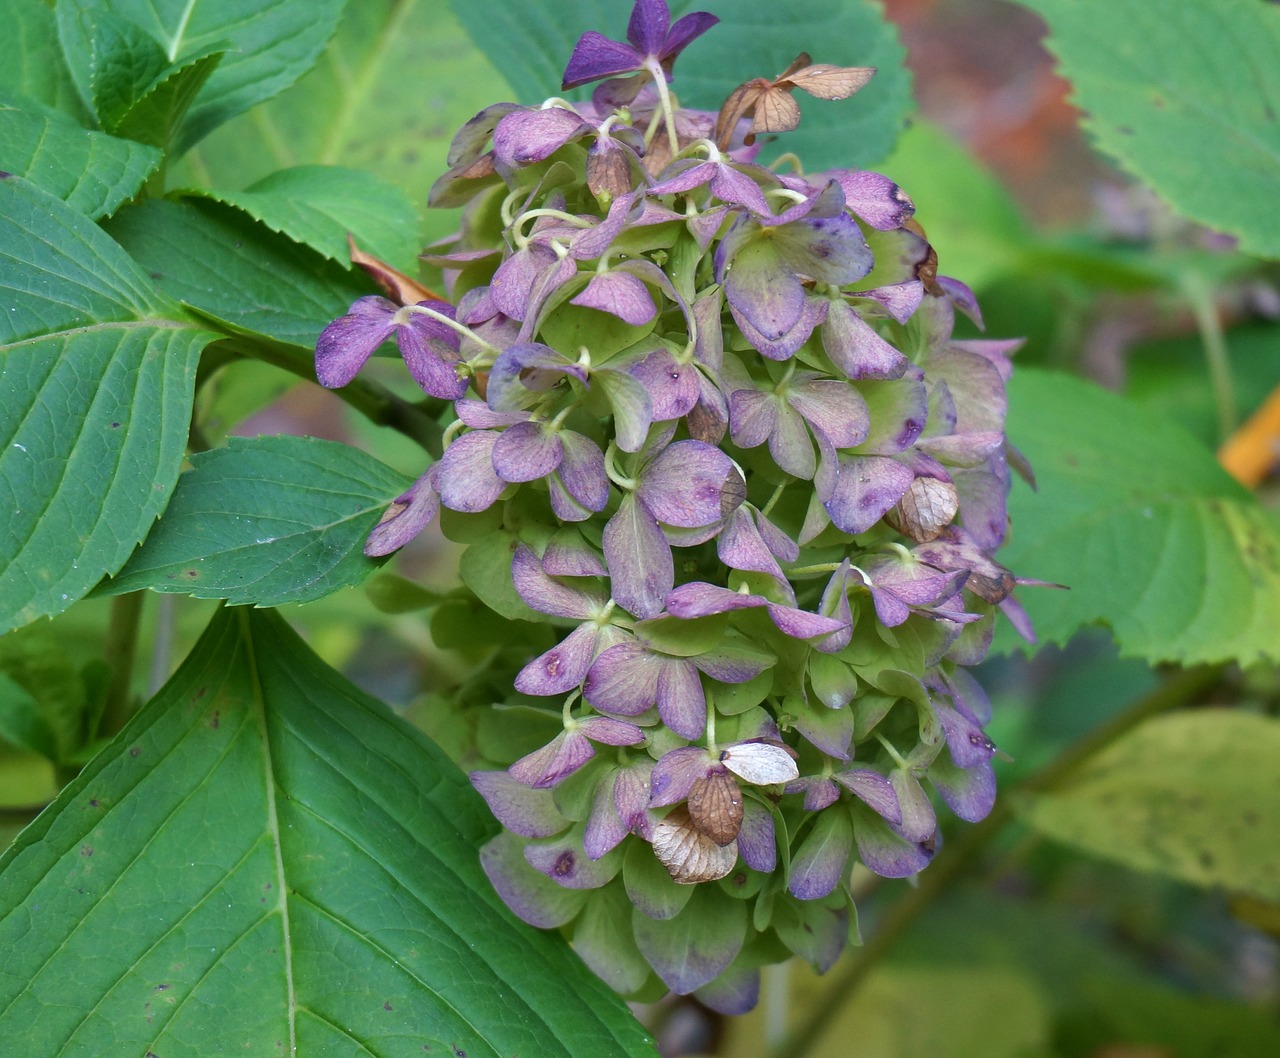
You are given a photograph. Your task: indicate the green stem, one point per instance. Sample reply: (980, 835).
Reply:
(1209, 324)
(118, 650)
(962, 851)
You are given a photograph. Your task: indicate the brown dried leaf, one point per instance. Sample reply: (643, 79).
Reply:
(715, 807)
(825, 81)
(400, 288)
(688, 855)
(926, 508)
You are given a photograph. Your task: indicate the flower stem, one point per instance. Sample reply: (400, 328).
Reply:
(119, 648)
(959, 853)
(1209, 324)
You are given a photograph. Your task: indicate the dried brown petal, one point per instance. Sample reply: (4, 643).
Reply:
(689, 856)
(400, 288)
(926, 508)
(828, 82)
(715, 807)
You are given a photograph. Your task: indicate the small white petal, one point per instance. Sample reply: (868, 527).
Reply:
(760, 763)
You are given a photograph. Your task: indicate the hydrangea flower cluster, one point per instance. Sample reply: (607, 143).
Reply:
(713, 418)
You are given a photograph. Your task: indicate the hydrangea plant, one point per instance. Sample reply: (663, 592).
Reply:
(712, 417)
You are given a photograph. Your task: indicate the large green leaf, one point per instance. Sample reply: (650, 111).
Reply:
(398, 79)
(531, 43)
(269, 45)
(266, 520)
(1189, 796)
(222, 262)
(318, 205)
(92, 172)
(1186, 96)
(1148, 533)
(31, 61)
(96, 379)
(267, 861)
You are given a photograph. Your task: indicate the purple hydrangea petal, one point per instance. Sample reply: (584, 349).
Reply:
(639, 557)
(752, 417)
(768, 297)
(466, 478)
(865, 489)
(686, 30)
(682, 704)
(596, 56)
(675, 773)
(822, 859)
(834, 407)
(779, 543)
(631, 792)
(605, 829)
(756, 842)
(819, 792)
(874, 790)
(610, 732)
(568, 555)
(790, 446)
(874, 198)
(969, 792)
(528, 893)
(557, 760)
(828, 249)
(672, 387)
(345, 345)
(898, 301)
(782, 346)
(801, 624)
(566, 862)
(522, 810)
(688, 957)
(855, 348)
(886, 853)
(835, 603)
(526, 136)
(562, 667)
(968, 743)
(550, 596)
(527, 451)
(699, 599)
(917, 820)
(831, 730)
(619, 294)
(582, 471)
(624, 680)
(478, 415)
(429, 349)
(962, 297)
(736, 991)
(740, 546)
(690, 484)
(407, 516)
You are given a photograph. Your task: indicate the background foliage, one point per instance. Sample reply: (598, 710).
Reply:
(172, 241)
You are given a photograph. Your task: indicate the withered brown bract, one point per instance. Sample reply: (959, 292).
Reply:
(715, 807)
(688, 855)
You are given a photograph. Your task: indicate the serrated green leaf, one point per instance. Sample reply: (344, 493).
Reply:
(156, 116)
(266, 520)
(217, 260)
(1186, 96)
(397, 81)
(1187, 796)
(318, 205)
(91, 172)
(269, 44)
(531, 43)
(96, 379)
(31, 62)
(267, 859)
(125, 60)
(1136, 518)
